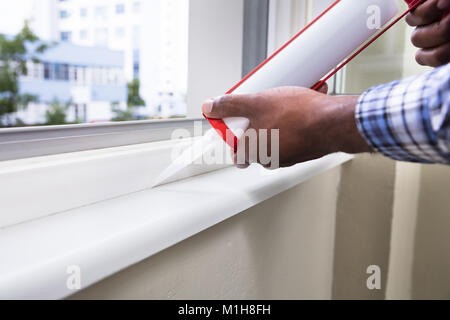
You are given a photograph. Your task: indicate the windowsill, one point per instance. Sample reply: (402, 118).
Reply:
(108, 236)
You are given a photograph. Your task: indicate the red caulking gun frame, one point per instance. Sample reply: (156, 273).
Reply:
(316, 50)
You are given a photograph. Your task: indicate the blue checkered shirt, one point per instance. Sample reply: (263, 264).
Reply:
(409, 120)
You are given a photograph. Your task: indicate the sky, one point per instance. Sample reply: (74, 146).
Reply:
(13, 14)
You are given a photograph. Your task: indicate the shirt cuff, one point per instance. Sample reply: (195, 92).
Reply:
(386, 115)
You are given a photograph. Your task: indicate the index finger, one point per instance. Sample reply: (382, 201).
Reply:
(425, 14)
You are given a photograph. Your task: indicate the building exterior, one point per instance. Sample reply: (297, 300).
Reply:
(89, 78)
(152, 34)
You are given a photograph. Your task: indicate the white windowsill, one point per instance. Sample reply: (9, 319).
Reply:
(108, 236)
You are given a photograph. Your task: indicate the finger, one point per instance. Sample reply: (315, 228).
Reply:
(433, 35)
(435, 57)
(444, 4)
(428, 12)
(228, 106)
(323, 88)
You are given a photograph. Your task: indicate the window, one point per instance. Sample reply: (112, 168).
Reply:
(101, 37)
(66, 36)
(48, 74)
(101, 12)
(136, 65)
(390, 58)
(63, 14)
(83, 12)
(120, 32)
(136, 36)
(120, 8)
(83, 34)
(92, 62)
(136, 7)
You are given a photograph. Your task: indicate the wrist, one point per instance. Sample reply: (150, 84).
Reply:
(344, 135)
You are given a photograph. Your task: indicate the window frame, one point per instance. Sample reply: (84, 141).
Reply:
(27, 142)
(265, 23)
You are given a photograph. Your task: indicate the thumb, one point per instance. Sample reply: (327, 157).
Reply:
(444, 4)
(227, 106)
(322, 89)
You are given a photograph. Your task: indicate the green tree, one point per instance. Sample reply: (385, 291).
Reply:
(14, 54)
(134, 97)
(134, 100)
(121, 115)
(57, 113)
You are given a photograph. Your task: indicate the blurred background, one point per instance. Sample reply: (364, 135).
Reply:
(78, 61)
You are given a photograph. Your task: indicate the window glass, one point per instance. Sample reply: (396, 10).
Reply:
(390, 58)
(63, 14)
(89, 57)
(66, 36)
(136, 6)
(83, 12)
(120, 8)
(83, 35)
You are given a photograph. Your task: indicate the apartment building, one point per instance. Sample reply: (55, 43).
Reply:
(152, 35)
(90, 78)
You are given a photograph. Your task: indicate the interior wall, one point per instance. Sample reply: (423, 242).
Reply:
(418, 210)
(363, 226)
(431, 264)
(406, 202)
(280, 249)
(407, 192)
(429, 278)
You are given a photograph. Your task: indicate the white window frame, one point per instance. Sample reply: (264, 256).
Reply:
(213, 40)
(73, 158)
(76, 149)
(258, 28)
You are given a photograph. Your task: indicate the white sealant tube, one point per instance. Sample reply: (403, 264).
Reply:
(304, 62)
(318, 50)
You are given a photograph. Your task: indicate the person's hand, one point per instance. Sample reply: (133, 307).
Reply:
(311, 124)
(432, 33)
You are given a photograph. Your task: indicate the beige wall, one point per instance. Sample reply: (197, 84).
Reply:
(418, 266)
(420, 254)
(363, 226)
(406, 201)
(431, 264)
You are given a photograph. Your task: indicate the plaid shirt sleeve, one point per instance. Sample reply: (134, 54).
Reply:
(409, 120)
